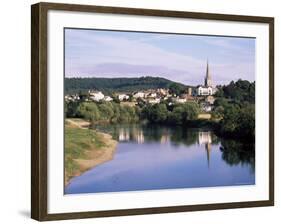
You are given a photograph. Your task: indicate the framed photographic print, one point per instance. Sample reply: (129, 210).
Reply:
(140, 111)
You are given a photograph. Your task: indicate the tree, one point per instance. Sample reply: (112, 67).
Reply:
(124, 114)
(89, 111)
(190, 111)
(176, 88)
(239, 91)
(221, 102)
(175, 117)
(106, 111)
(159, 113)
(230, 119)
(116, 112)
(239, 121)
(184, 113)
(246, 121)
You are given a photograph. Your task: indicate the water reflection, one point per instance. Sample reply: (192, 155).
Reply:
(205, 138)
(156, 157)
(233, 151)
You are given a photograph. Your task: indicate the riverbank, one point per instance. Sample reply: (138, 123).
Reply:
(85, 148)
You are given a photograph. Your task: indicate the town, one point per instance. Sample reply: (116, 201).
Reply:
(201, 94)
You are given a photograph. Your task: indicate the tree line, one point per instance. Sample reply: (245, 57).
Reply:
(111, 85)
(105, 112)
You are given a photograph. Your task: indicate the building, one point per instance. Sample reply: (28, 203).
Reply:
(207, 89)
(207, 107)
(180, 100)
(210, 100)
(96, 95)
(139, 95)
(204, 91)
(189, 91)
(163, 92)
(154, 100)
(123, 97)
(72, 98)
(152, 95)
(107, 98)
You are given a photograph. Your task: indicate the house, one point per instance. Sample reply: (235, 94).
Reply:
(72, 98)
(123, 97)
(96, 95)
(210, 100)
(207, 107)
(139, 95)
(163, 92)
(179, 100)
(152, 95)
(107, 98)
(154, 100)
(189, 91)
(67, 98)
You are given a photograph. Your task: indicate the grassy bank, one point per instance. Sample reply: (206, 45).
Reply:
(85, 148)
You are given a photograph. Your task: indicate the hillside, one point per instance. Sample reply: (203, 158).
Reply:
(109, 85)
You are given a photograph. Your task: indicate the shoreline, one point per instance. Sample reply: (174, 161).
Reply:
(94, 157)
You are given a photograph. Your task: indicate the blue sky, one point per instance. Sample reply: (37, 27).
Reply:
(182, 58)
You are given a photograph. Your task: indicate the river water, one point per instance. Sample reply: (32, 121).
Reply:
(150, 157)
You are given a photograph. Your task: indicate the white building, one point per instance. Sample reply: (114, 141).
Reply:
(107, 98)
(204, 91)
(96, 95)
(139, 95)
(154, 100)
(152, 95)
(207, 107)
(207, 89)
(163, 92)
(210, 100)
(72, 98)
(180, 100)
(122, 97)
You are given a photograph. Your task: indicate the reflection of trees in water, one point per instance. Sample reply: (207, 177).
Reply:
(234, 153)
(181, 135)
(157, 133)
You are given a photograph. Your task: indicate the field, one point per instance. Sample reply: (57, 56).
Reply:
(84, 148)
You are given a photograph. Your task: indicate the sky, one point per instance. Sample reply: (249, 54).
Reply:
(178, 57)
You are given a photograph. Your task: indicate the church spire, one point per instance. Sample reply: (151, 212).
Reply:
(208, 79)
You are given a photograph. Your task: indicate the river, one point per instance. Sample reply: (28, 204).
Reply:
(150, 157)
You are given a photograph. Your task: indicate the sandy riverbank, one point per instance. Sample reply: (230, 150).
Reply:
(92, 156)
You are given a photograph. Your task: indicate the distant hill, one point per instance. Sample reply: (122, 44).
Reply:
(110, 85)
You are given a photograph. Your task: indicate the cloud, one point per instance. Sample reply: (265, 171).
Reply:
(112, 54)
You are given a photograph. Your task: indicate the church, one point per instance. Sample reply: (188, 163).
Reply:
(207, 89)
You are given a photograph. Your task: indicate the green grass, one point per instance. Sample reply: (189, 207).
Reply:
(77, 142)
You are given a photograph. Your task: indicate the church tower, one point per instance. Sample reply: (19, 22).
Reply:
(208, 79)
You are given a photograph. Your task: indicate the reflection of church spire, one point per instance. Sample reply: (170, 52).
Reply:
(208, 150)
(205, 138)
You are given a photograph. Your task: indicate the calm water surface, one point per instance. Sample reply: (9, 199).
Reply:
(155, 157)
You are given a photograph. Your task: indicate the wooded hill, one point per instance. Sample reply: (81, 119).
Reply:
(110, 85)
